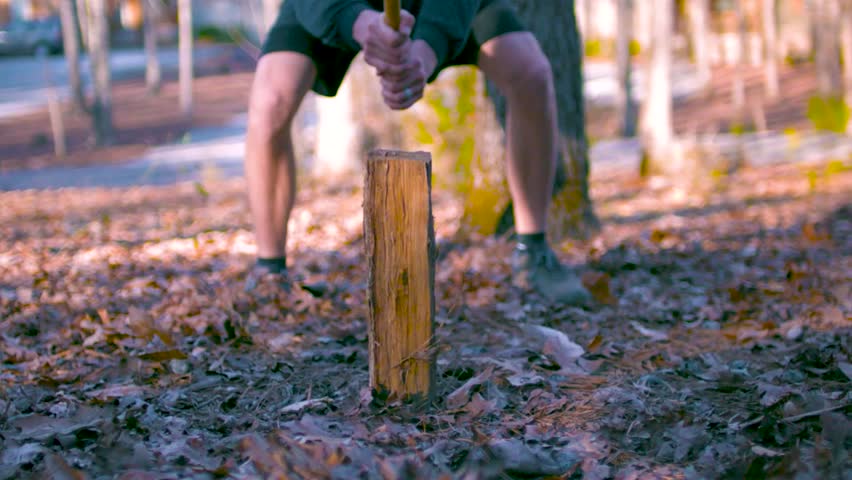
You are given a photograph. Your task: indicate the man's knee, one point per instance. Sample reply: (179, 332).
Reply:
(531, 74)
(271, 110)
(518, 66)
(280, 84)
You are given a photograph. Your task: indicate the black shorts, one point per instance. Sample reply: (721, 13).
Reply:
(495, 18)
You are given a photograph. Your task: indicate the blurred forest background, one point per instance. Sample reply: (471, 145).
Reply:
(705, 179)
(700, 85)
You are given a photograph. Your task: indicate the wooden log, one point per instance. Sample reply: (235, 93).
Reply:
(400, 249)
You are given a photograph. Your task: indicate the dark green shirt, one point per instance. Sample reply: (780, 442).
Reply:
(443, 24)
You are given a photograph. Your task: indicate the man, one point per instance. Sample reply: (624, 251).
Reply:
(311, 46)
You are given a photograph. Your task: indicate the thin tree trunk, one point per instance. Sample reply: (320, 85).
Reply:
(625, 103)
(738, 90)
(847, 55)
(770, 46)
(83, 21)
(338, 138)
(656, 123)
(829, 76)
(98, 29)
(186, 57)
(555, 26)
(270, 12)
(153, 73)
(71, 45)
(588, 20)
(699, 20)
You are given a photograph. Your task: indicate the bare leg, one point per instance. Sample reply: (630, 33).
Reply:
(516, 64)
(281, 82)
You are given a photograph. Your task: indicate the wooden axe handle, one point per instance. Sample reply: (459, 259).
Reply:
(392, 13)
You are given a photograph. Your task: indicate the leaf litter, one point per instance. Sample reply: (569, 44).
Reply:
(718, 348)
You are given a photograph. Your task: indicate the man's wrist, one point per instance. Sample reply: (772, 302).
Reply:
(427, 56)
(361, 27)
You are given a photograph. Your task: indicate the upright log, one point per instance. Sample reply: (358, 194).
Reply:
(400, 250)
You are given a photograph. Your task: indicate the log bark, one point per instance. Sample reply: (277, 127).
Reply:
(400, 249)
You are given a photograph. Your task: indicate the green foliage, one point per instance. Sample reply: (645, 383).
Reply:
(635, 48)
(450, 131)
(593, 48)
(832, 168)
(835, 167)
(450, 128)
(199, 188)
(214, 34)
(829, 114)
(740, 129)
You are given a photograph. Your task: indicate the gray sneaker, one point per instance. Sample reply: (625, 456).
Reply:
(262, 278)
(265, 282)
(540, 271)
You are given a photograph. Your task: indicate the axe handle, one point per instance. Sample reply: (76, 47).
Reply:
(392, 13)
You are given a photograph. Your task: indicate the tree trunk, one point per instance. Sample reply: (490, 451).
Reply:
(98, 45)
(71, 45)
(625, 103)
(770, 46)
(83, 21)
(699, 20)
(338, 137)
(829, 77)
(153, 74)
(185, 53)
(270, 13)
(847, 55)
(587, 32)
(656, 128)
(555, 26)
(738, 90)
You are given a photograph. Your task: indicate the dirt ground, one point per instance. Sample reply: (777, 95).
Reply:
(719, 345)
(143, 121)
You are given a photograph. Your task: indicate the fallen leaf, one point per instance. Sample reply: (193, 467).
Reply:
(461, 395)
(524, 379)
(765, 452)
(26, 453)
(56, 468)
(163, 356)
(40, 428)
(558, 346)
(598, 285)
(846, 368)
(299, 407)
(520, 458)
(652, 334)
(115, 391)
